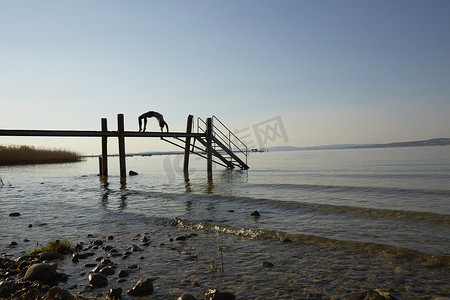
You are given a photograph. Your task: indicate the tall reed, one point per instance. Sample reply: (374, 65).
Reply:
(22, 154)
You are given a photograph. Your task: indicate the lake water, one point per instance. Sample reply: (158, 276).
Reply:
(333, 222)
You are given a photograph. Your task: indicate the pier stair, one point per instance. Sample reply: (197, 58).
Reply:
(226, 148)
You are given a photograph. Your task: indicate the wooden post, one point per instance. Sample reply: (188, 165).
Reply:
(209, 147)
(188, 144)
(100, 168)
(104, 162)
(120, 133)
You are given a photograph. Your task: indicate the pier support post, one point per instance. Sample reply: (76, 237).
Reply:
(121, 136)
(104, 159)
(209, 146)
(188, 144)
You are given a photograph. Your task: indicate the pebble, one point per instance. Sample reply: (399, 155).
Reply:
(145, 240)
(143, 287)
(375, 294)
(255, 214)
(114, 294)
(97, 242)
(216, 295)
(107, 271)
(50, 255)
(186, 296)
(98, 280)
(267, 264)
(123, 273)
(135, 248)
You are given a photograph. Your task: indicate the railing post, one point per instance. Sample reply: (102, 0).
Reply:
(209, 130)
(104, 161)
(121, 137)
(188, 144)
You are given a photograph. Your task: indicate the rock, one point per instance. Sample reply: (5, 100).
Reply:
(143, 287)
(255, 214)
(267, 264)
(14, 214)
(114, 253)
(375, 294)
(13, 243)
(50, 255)
(114, 294)
(40, 272)
(133, 173)
(75, 258)
(106, 261)
(58, 293)
(30, 225)
(123, 273)
(181, 238)
(97, 242)
(108, 248)
(107, 271)
(216, 295)
(145, 240)
(186, 296)
(135, 248)
(110, 237)
(98, 280)
(90, 265)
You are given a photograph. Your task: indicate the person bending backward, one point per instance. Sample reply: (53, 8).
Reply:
(152, 114)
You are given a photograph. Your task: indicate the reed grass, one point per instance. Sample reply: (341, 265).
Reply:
(21, 154)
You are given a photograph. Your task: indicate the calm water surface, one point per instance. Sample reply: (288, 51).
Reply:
(355, 219)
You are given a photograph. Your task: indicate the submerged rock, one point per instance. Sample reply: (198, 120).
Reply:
(267, 264)
(255, 214)
(143, 287)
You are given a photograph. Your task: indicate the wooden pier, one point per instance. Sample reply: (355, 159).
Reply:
(214, 143)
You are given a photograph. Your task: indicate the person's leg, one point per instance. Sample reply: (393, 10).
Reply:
(145, 124)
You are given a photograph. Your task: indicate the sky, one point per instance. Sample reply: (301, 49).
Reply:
(314, 72)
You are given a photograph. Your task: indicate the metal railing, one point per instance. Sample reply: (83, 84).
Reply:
(225, 136)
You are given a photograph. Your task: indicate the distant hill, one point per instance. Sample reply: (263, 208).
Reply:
(431, 142)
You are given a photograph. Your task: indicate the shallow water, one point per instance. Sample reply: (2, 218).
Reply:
(355, 219)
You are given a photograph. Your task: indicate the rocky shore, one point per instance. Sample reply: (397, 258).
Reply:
(37, 276)
(106, 273)
(173, 261)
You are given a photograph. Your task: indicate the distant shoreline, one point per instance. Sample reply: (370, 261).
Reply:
(430, 142)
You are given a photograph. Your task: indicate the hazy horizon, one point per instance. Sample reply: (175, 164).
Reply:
(298, 73)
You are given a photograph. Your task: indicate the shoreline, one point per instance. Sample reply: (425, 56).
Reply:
(180, 261)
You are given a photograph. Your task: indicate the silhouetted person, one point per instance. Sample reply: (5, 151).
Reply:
(152, 114)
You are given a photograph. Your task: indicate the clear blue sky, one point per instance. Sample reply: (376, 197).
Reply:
(333, 71)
